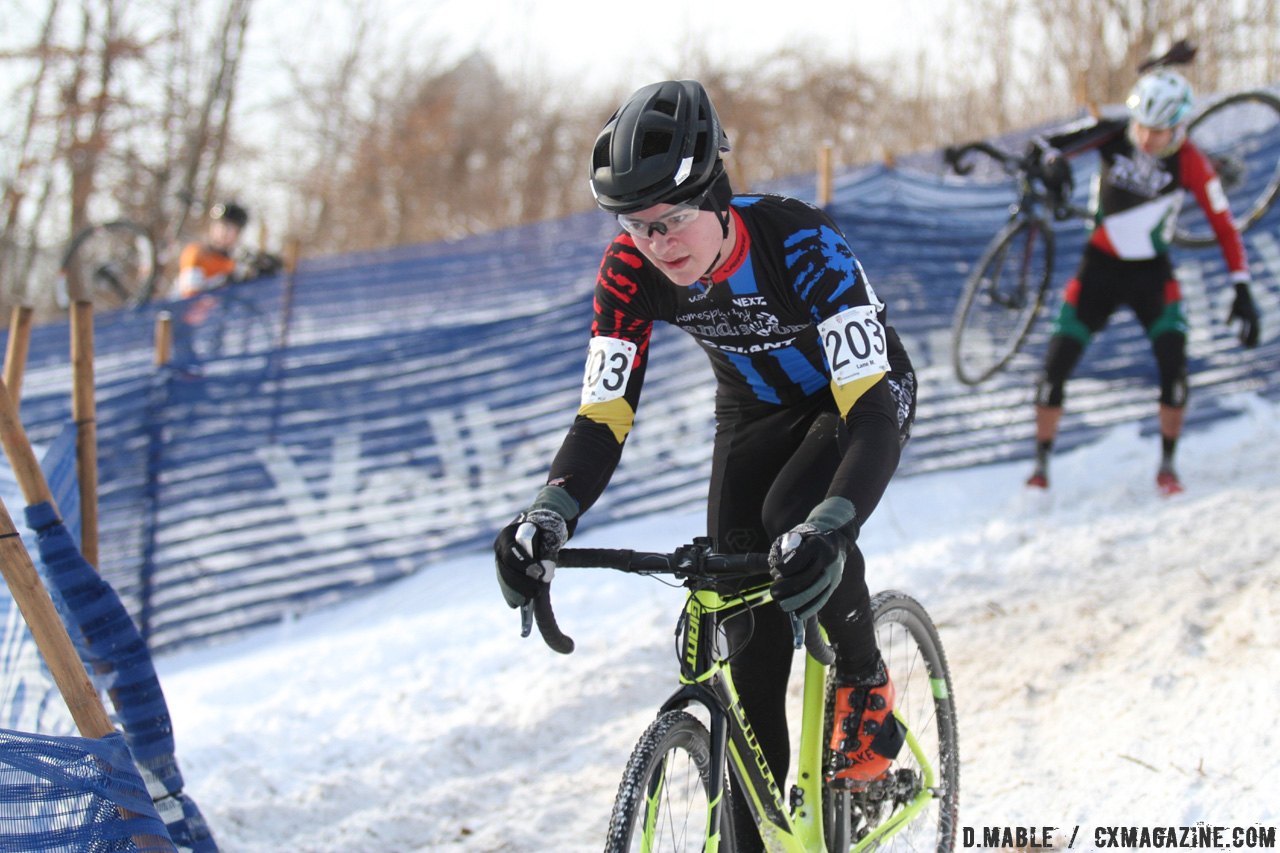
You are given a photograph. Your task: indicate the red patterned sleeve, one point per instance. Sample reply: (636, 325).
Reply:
(1198, 176)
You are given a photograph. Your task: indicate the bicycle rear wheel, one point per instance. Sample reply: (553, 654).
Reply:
(1001, 299)
(1241, 137)
(663, 800)
(112, 265)
(913, 654)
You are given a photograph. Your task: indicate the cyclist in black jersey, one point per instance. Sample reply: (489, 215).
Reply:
(815, 397)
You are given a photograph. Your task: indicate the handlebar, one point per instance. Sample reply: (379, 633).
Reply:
(1026, 167)
(954, 156)
(691, 562)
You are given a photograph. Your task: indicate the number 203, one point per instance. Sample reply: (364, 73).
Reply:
(855, 344)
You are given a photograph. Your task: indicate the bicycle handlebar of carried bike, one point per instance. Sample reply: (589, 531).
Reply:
(1028, 165)
(954, 156)
(688, 561)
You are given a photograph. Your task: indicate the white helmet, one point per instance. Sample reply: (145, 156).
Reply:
(1161, 99)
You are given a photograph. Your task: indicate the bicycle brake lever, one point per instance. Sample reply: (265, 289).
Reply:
(526, 619)
(809, 636)
(797, 630)
(818, 647)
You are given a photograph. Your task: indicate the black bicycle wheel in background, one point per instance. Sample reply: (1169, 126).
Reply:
(924, 699)
(1241, 137)
(236, 325)
(664, 793)
(1001, 298)
(112, 265)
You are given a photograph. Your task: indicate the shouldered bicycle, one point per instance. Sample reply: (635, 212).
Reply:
(673, 790)
(118, 264)
(1007, 286)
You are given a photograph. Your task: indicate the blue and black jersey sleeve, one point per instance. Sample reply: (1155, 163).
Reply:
(860, 349)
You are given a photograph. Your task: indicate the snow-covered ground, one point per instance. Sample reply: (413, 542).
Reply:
(1114, 655)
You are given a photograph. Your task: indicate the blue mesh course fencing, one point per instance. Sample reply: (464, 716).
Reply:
(74, 795)
(420, 393)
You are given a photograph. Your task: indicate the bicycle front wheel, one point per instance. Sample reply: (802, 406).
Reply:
(913, 653)
(663, 802)
(112, 265)
(1001, 299)
(1241, 137)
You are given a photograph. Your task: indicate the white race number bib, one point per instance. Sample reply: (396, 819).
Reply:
(609, 363)
(855, 343)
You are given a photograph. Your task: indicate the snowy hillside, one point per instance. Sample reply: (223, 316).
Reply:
(1113, 655)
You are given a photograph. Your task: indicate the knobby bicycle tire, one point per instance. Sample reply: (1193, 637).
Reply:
(664, 793)
(113, 265)
(913, 653)
(1001, 298)
(1241, 137)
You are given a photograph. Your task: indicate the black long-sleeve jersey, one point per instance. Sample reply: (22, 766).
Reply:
(788, 316)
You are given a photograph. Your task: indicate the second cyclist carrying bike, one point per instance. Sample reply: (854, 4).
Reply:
(1146, 165)
(815, 397)
(210, 263)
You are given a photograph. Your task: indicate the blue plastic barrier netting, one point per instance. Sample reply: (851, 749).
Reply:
(74, 795)
(121, 663)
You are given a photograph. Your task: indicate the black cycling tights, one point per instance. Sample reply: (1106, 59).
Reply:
(769, 470)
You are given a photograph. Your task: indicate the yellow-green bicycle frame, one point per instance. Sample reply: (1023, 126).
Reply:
(793, 825)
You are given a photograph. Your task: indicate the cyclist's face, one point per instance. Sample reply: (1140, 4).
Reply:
(684, 253)
(223, 234)
(1152, 140)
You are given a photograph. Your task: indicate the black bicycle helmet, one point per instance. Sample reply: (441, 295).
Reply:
(662, 146)
(231, 212)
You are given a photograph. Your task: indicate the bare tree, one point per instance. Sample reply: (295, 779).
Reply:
(386, 145)
(18, 250)
(118, 111)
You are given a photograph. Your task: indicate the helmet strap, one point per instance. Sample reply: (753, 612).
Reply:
(726, 220)
(706, 276)
(718, 199)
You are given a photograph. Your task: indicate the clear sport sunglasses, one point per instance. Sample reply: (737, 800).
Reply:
(674, 221)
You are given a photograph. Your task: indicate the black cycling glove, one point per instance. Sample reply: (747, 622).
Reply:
(1053, 169)
(525, 550)
(1244, 310)
(807, 561)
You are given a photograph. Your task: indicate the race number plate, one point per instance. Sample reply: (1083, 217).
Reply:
(855, 344)
(609, 363)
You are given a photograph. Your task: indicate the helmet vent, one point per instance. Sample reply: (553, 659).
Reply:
(655, 143)
(600, 157)
(700, 147)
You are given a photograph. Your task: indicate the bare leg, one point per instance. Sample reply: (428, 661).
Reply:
(1171, 421)
(1171, 418)
(1047, 419)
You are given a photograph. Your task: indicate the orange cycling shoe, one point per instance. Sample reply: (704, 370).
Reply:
(865, 736)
